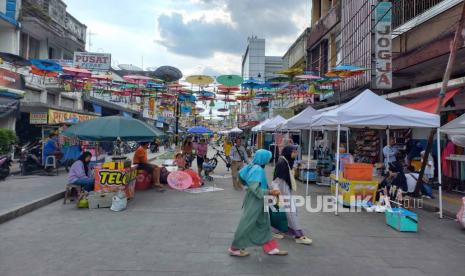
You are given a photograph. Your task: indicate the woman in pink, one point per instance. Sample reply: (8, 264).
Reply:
(201, 151)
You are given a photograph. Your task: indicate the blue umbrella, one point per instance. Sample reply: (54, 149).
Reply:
(46, 65)
(199, 130)
(204, 93)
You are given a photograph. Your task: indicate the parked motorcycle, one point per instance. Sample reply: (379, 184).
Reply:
(5, 163)
(30, 158)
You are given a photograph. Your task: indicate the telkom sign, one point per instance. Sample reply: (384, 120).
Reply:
(92, 61)
(383, 46)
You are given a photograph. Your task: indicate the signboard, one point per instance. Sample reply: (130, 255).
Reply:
(11, 79)
(151, 106)
(38, 118)
(61, 117)
(116, 180)
(383, 46)
(167, 114)
(92, 61)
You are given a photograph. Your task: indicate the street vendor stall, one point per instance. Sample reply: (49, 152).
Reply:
(118, 174)
(368, 110)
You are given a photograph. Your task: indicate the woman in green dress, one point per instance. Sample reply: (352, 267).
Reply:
(254, 227)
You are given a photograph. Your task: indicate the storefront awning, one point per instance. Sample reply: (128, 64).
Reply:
(8, 106)
(430, 104)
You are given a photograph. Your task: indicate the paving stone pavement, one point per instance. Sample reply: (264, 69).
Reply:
(177, 233)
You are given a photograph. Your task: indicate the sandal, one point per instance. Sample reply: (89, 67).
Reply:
(277, 252)
(238, 252)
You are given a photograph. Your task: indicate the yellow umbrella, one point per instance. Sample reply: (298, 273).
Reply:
(200, 80)
(291, 71)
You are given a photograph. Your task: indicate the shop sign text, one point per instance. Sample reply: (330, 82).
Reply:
(383, 46)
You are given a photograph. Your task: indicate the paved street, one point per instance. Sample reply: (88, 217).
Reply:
(177, 233)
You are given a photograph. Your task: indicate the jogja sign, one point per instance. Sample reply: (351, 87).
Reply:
(383, 45)
(92, 61)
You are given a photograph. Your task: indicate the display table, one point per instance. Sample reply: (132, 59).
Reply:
(114, 180)
(349, 190)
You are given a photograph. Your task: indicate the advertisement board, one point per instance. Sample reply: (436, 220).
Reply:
(383, 45)
(11, 79)
(60, 117)
(38, 118)
(92, 61)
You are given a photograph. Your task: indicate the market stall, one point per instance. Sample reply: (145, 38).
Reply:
(453, 164)
(118, 174)
(368, 110)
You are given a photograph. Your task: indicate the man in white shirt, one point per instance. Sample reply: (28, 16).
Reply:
(389, 152)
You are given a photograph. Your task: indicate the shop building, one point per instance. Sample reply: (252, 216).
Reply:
(9, 26)
(49, 31)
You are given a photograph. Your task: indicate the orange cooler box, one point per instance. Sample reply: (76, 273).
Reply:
(358, 171)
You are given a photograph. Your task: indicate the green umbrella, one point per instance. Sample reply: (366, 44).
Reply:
(229, 80)
(113, 127)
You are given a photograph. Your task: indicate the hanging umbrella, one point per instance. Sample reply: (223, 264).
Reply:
(279, 79)
(46, 65)
(200, 80)
(199, 130)
(307, 77)
(77, 72)
(223, 110)
(229, 80)
(235, 130)
(113, 127)
(43, 73)
(251, 83)
(168, 73)
(15, 60)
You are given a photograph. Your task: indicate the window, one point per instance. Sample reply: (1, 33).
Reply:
(404, 10)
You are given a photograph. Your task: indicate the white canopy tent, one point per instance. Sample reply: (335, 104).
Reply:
(456, 130)
(299, 121)
(258, 127)
(273, 124)
(373, 111)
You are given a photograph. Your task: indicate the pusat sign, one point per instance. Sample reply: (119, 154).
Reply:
(383, 46)
(92, 61)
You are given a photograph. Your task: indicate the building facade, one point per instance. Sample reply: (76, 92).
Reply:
(296, 55)
(256, 65)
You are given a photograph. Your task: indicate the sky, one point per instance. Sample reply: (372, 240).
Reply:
(196, 36)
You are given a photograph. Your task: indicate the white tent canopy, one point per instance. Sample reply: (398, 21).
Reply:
(235, 130)
(300, 121)
(272, 125)
(456, 126)
(259, 126)
(371, 110)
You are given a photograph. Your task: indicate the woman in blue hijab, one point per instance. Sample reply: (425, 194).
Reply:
(254, 227)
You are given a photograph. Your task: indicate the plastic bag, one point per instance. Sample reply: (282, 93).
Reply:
(461, 213)
(119, 202)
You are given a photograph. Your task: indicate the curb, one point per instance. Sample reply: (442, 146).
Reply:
(29, 207)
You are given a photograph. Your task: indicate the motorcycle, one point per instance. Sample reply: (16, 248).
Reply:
(5, 164)
(29, 160)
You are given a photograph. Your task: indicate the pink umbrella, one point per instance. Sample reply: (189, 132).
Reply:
(77, 72)
(307, 77)
(137, 78)
(179, 180)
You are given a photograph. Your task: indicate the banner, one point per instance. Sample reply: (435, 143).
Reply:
(38, 118)
(383, 46)
(11, 79)
(60, 117)
(93, 61)
(167, 114)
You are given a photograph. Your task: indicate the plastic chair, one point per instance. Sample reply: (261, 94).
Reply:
(51, 162)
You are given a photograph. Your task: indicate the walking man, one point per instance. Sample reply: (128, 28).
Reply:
(238, 159)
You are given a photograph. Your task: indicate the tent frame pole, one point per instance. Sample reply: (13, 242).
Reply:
(308, 160)
(439, 171)
(337, 167)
